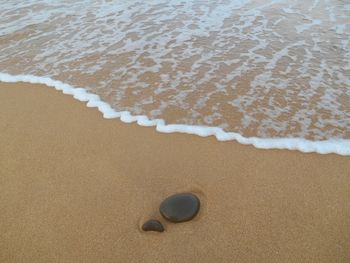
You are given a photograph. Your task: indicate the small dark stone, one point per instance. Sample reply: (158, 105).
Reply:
(180, 207)
(153, 225)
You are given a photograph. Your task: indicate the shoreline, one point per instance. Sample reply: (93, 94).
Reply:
(77, 187)
(337, 146)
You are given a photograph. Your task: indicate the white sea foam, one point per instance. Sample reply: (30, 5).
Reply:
(268, 69)
(337, 146)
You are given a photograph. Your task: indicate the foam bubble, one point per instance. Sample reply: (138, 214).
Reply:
(337, 146)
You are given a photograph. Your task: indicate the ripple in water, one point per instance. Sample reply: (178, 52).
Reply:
(259, 68)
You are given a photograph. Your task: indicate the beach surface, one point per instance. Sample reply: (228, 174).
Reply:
(77, 188)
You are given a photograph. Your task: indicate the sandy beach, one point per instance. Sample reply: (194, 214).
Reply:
(76, 188)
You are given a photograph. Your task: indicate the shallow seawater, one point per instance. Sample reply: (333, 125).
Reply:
(258, 68)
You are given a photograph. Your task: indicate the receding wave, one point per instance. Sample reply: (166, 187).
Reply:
(274, 73)
(338, 146)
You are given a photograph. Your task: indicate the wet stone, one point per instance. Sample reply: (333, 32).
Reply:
(180, 207)
(153, 225)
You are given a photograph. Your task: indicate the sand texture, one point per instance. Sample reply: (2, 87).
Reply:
(75, 187)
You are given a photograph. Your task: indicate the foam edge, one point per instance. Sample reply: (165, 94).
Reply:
(337, 146)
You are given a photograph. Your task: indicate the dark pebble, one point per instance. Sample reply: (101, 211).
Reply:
(180, 207)
(153, 225)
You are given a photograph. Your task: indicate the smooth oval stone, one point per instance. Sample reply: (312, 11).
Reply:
(180, 207)
(153, 225)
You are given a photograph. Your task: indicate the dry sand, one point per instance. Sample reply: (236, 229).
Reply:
(75, 187)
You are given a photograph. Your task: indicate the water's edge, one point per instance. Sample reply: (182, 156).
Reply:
(337, 146)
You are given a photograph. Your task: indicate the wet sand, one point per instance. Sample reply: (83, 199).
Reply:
(76, 188)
